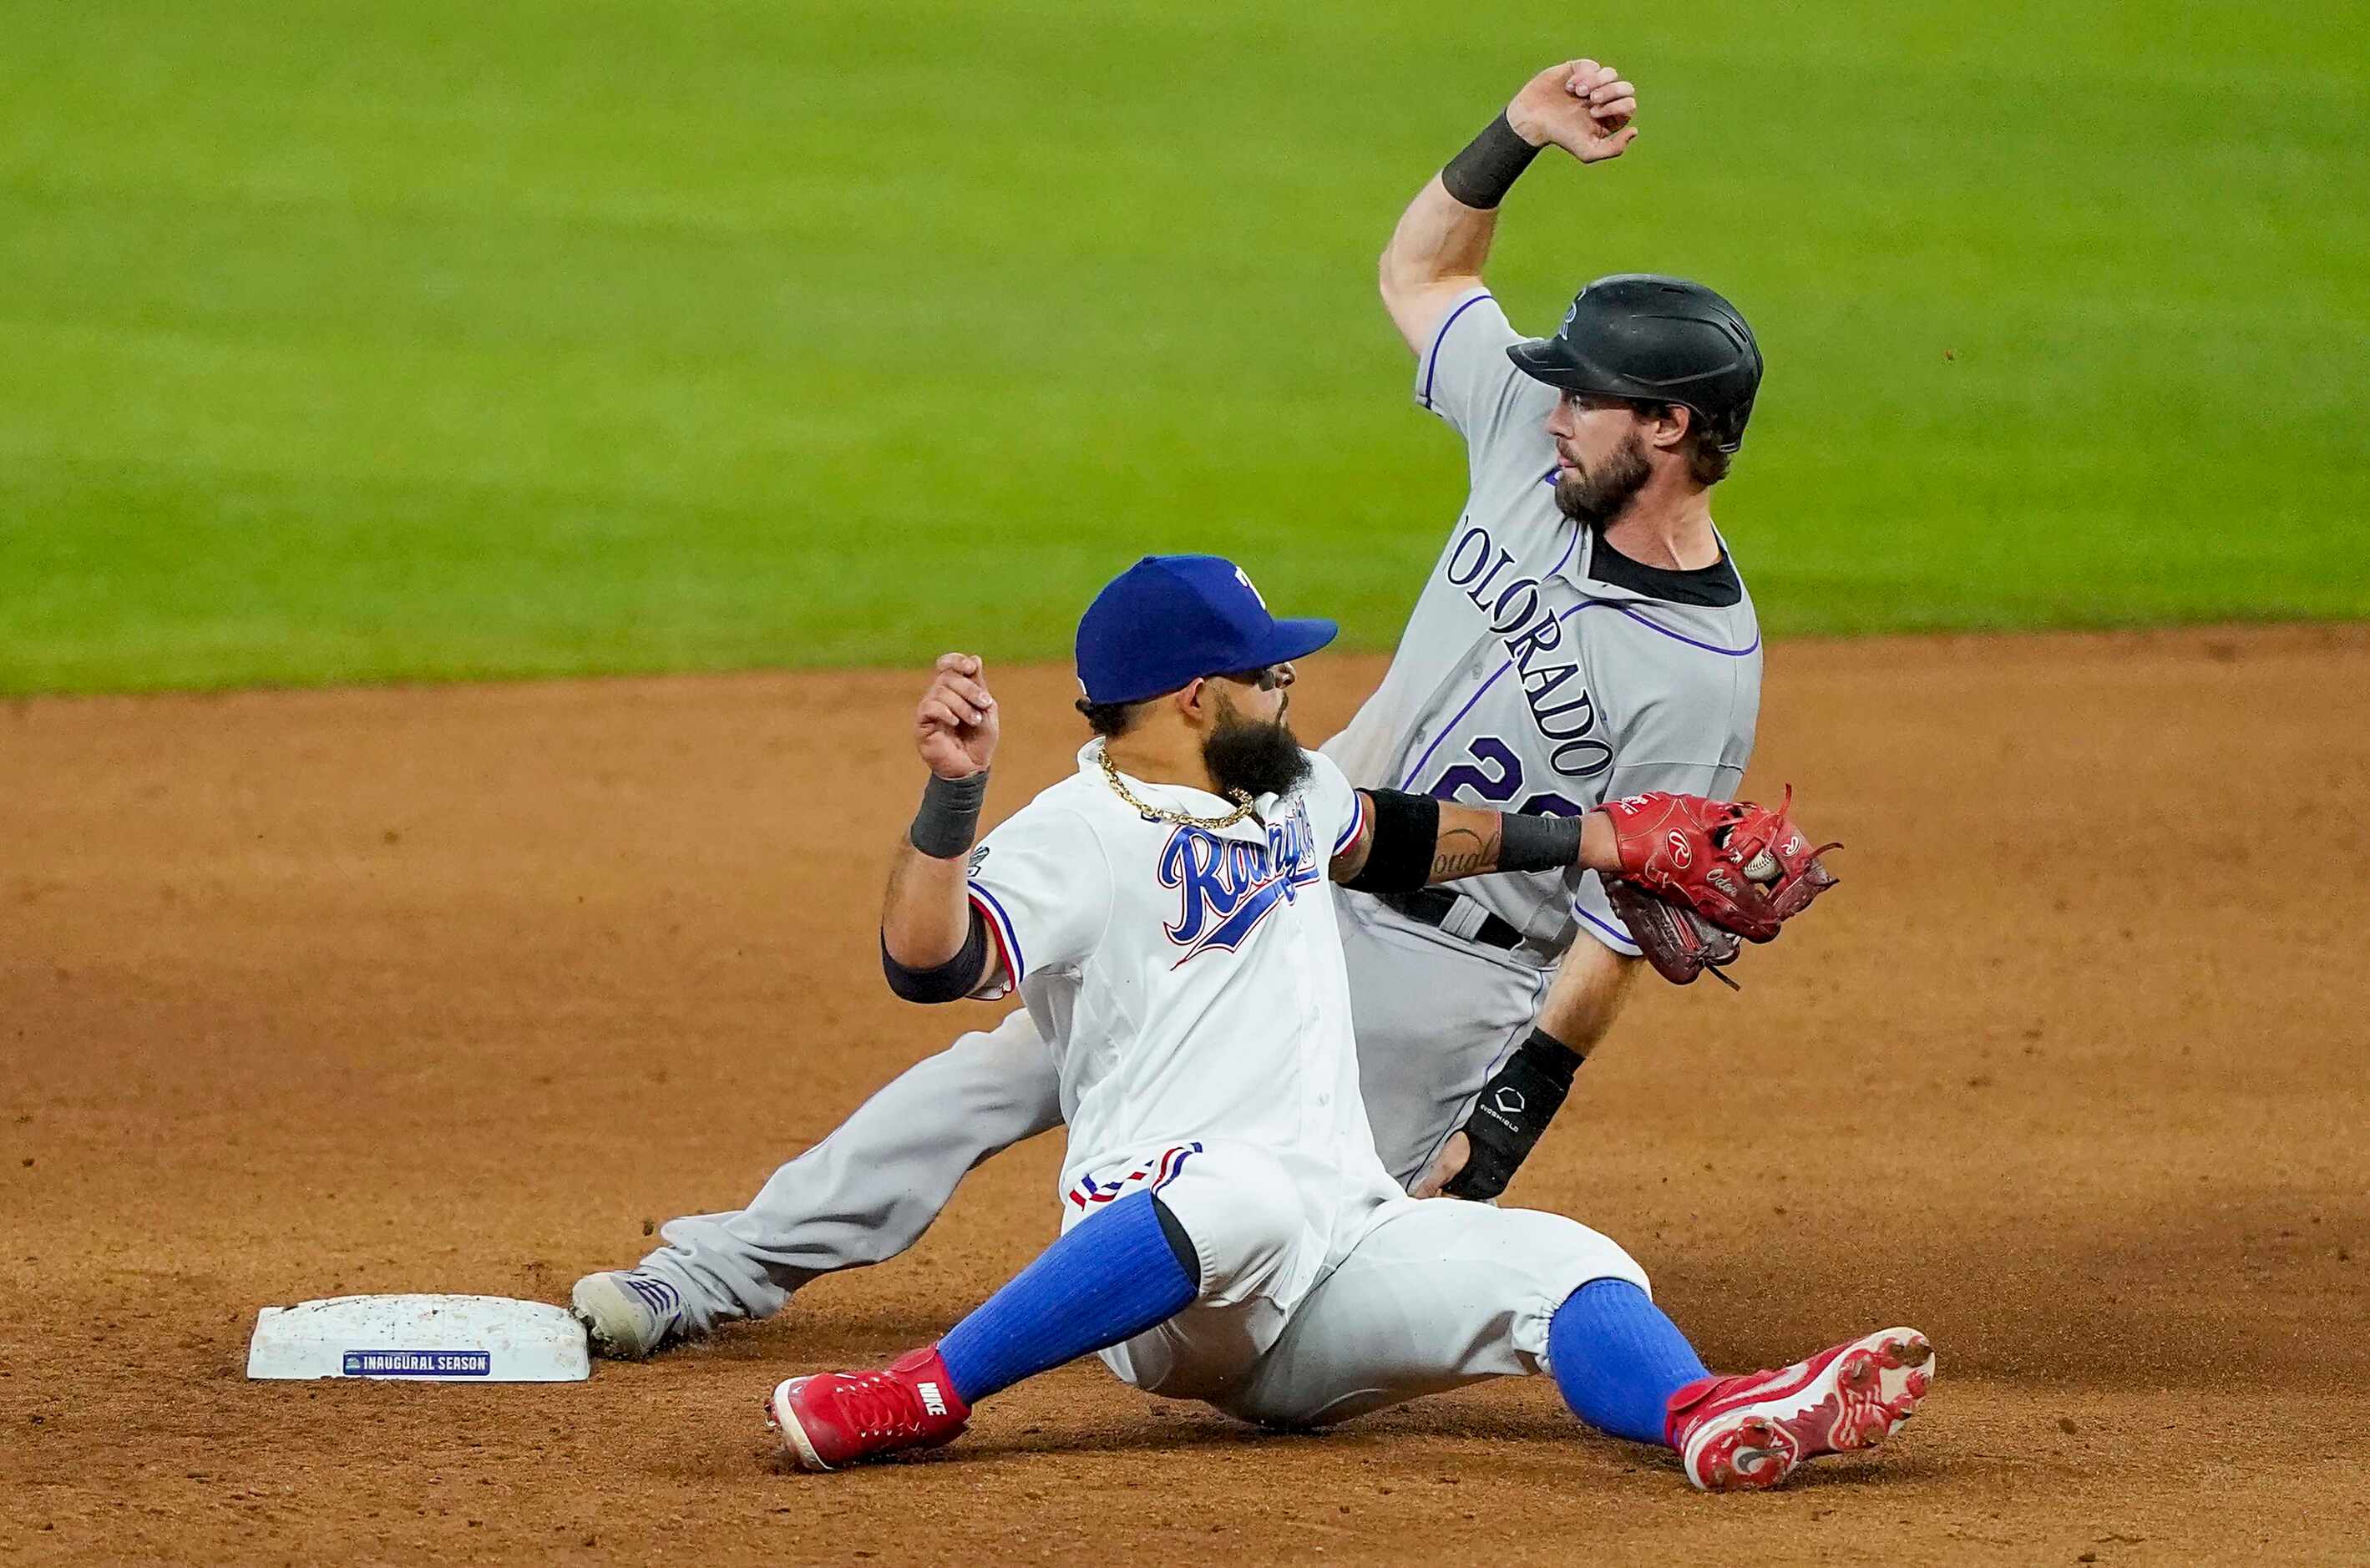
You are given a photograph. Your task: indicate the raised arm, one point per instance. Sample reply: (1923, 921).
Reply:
(931, 943)
(1443, 238)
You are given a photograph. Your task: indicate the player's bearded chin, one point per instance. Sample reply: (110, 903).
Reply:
(1251, 755)
(1596, 495)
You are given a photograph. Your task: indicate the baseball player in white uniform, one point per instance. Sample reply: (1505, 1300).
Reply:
(1582, 636)
(1229, 1233)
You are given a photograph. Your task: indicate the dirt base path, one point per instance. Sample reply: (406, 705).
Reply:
(459, 989)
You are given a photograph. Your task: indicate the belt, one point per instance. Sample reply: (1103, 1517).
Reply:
(1453, 913)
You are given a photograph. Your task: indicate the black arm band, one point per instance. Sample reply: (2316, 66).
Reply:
(950, 981)
(1405, 836)
(1513, 1110)
(1481, 175)
(949, 819)
(1539, 844)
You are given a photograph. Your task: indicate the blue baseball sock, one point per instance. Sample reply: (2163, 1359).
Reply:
(1108, 1279)
(1619, 1360)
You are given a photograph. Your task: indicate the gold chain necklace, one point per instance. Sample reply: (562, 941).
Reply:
(1157, 814)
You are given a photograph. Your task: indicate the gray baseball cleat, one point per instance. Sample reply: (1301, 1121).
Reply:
(629, 1314)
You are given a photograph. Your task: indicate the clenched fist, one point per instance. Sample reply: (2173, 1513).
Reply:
(1580, 105)
(955, 723)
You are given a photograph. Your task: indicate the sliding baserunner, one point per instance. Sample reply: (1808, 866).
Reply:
(1582, 636)
(1228, 1231)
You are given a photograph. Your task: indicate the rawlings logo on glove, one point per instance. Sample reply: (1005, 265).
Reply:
(1698, 875)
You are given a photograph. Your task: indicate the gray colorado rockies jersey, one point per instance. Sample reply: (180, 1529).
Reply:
(1526, 683)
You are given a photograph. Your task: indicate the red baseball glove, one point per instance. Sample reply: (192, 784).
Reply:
(1697, 875)
(1778, 856)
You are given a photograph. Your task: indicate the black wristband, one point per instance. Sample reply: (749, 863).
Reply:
(1512, 1109)
(1481, 175)
(949, 819)
(1539, 844)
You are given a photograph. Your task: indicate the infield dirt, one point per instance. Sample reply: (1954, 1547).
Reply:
(461, 988)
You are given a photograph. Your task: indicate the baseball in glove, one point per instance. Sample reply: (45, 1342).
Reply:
(1690, 918)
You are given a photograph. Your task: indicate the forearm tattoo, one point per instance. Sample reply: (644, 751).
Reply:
(1461, 852)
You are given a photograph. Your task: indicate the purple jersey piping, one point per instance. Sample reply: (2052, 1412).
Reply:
(1432, 357)
(1448, 729)
(1611, 932)
(1569, 545)
(1679, 636)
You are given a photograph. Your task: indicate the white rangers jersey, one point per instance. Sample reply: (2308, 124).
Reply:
(1189, 981)
(1541, 671)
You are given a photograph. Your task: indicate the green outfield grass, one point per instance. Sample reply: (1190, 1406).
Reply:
(431, 339)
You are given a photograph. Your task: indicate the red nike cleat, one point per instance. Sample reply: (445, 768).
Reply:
(1747, 1434)
(830, 1419)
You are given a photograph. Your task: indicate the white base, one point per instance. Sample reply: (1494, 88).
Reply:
(431, 1339)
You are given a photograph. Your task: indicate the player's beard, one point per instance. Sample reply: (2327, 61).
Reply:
(1254, 756)
(1596, 495)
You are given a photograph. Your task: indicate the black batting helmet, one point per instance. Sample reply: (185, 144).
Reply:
(1657, 340)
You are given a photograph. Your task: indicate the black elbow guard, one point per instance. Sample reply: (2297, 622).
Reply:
(1406, 835)
(950, 981)
(1512, 1109)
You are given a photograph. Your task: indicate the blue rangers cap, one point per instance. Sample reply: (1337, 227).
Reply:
(1167, 621)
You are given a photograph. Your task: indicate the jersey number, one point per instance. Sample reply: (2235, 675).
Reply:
(1494, 775)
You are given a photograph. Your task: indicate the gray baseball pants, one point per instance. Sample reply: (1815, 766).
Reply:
(1435, 1016)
